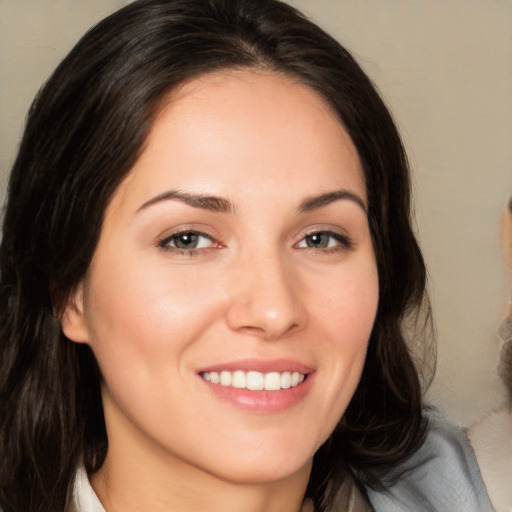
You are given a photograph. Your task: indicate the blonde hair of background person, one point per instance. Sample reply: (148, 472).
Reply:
(206, 263)
(492, 437)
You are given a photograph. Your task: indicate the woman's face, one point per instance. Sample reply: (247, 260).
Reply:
(234, 286)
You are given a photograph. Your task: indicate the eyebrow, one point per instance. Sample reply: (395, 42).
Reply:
(316, 202)
(221, 205)
(212, 203)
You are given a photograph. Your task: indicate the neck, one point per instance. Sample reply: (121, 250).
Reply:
(122, 487)
(137, 475)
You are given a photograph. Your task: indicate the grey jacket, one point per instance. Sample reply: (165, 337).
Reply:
(442, 476)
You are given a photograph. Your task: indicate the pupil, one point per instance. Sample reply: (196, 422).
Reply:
(186, 241)
(317, 240)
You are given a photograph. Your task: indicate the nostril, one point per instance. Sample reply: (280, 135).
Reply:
(266, 305)
(249, 329)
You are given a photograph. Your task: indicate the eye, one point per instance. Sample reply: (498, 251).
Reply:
(325, 240)
(187, 241)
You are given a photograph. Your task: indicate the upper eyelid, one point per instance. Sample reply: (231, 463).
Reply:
(198, 230)
(329, 232)
(187, 230)
(176, 234)
(319, 228)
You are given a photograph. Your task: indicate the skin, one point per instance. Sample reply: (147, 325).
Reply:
(259, 287)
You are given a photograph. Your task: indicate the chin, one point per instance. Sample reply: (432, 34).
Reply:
(268, 471)
(263, 462)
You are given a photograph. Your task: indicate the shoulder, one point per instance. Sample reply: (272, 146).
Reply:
(442, 475)
(491, 439)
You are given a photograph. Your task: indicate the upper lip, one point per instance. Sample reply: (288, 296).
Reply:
(260, 365)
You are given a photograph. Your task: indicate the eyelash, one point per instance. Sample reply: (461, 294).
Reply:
(344, 243)
(165, 243)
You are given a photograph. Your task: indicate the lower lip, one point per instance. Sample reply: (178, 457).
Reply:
(262, 401)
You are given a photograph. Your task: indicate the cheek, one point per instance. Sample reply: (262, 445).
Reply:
(142, 325)
(346, 312)
(140, 289)
(145, 318)
(347, 304)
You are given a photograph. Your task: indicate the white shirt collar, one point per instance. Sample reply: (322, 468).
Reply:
(84, 497)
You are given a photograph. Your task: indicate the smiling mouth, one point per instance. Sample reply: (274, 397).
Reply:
(255, 381)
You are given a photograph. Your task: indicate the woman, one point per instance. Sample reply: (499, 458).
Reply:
(491, 437)
(206, 260)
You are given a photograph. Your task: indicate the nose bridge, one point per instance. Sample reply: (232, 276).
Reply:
(265, 299)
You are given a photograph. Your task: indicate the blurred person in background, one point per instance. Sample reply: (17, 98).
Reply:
(491, 438)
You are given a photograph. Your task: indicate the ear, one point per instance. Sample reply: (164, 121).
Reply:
(72, 319)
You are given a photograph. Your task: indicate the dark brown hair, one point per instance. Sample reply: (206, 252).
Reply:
(85, 130)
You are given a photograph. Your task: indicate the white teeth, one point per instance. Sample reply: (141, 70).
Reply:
(273, 381)
(255, 381)
(286, 380)
(225, 378)
(238, 380)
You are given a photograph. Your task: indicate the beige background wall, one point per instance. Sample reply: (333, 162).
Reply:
(445, 68)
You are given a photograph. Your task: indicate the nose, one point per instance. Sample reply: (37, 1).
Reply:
(266, 300)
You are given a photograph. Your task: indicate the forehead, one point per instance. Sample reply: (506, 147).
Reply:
(246, 129)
